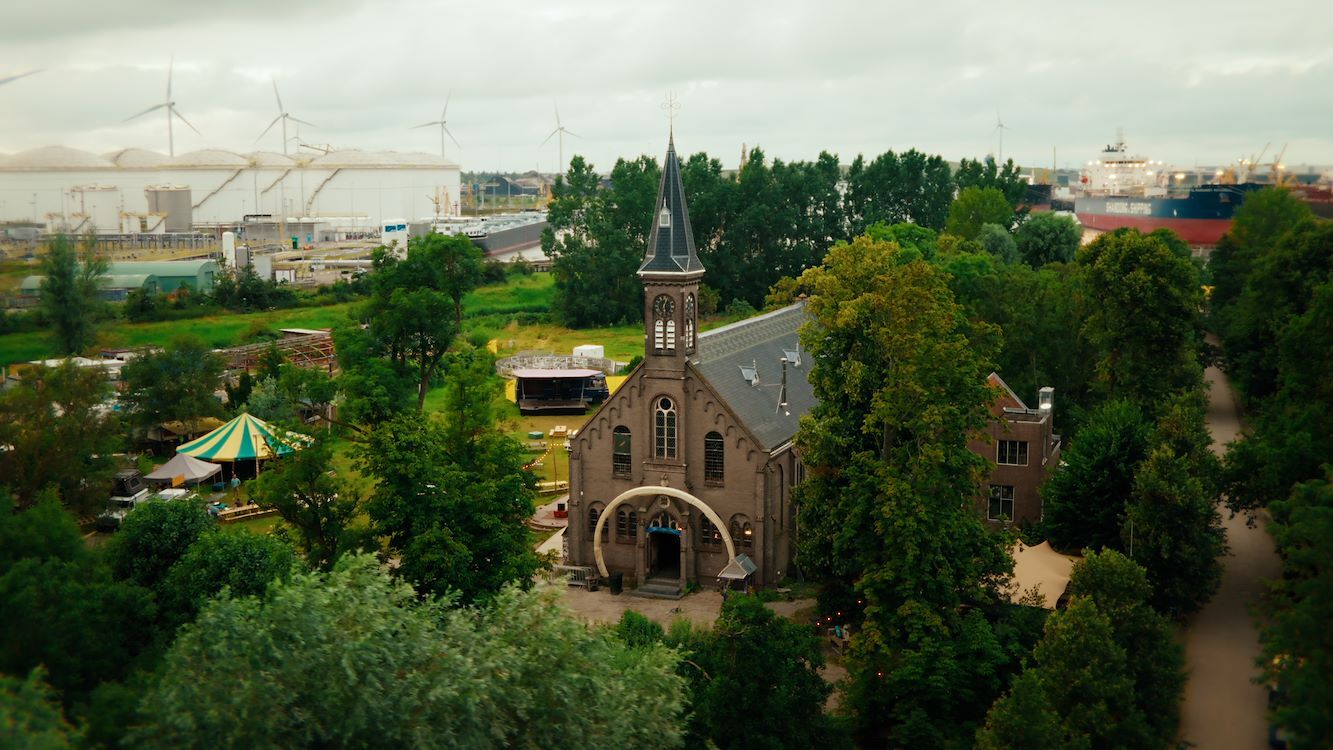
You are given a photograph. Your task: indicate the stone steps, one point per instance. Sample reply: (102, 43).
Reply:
(657, 588)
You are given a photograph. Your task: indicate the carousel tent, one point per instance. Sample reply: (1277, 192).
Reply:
(245, 438)
(188, 469)
(1040, 568)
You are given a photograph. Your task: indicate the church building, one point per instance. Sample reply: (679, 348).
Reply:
(690, 464)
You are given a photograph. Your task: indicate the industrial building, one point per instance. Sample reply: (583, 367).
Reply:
(153, 277)
(139, 191)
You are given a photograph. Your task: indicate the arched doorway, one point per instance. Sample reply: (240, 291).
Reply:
(629, 494)
(663, 546)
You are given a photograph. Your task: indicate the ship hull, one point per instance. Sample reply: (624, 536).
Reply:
(1200, 218)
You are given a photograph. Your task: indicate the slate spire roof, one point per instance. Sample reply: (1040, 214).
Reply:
(671, 243)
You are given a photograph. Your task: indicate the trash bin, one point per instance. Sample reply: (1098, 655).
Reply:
(617, 583)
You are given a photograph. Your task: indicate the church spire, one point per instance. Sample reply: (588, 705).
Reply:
(671, 243)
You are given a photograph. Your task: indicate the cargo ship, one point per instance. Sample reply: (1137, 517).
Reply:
(1119, 190)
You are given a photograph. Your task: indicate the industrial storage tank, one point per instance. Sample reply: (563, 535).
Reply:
(173, 202)
(94, 208)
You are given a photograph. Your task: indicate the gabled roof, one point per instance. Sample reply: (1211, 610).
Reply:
(1007, 399)
(761, 342)
(671, 247)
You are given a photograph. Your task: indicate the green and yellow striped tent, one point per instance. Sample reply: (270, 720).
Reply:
(245, 438)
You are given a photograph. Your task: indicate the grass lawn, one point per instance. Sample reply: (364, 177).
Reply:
(216, 330)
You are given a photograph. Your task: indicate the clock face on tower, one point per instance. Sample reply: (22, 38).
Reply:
(664, 307)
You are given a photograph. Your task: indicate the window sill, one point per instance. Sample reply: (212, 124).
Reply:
(714, 483)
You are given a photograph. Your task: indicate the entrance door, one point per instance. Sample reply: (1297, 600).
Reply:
(664, 551)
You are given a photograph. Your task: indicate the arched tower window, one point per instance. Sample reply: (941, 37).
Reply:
(689, 323)
(714, 449)
(659, 336)
(664, 429)
(621, 460)
(664, 324)
(671, 336)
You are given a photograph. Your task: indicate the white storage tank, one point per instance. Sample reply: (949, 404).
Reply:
(172, 201)
(98, 205)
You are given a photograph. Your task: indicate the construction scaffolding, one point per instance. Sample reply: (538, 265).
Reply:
(309, 350)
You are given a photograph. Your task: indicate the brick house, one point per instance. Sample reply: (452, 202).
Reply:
(1022, 449)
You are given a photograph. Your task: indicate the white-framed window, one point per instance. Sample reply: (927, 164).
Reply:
(1012, 452)
(664, 429)
(1001, 505)
(671, 335)
(659, 336)
(664, 217)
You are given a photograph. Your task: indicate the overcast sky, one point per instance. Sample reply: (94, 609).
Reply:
(1190, 82)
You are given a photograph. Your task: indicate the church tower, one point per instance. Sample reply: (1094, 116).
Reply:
(670, 272)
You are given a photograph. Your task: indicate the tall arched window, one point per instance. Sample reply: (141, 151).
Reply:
(671, 335)
(621, 461)
(664, 429)
(713, 457)
(627, 526)
(659, 336)
(664, 520)
(594, 513)
(742, 533)
(709, 533)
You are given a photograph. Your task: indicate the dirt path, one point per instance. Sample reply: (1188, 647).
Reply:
(1223, 708)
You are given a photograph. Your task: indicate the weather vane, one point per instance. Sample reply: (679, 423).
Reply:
(671, 106)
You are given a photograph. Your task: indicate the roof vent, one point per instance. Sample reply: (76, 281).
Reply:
(793, 356)
(751, 373)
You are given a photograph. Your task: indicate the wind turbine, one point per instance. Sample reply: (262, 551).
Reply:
(1000, 127)
(560, 130)
(444, 125)
(13, 78)
(284, 116)
(171, 110)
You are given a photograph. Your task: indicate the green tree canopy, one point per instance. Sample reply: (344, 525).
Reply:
(900, 390)
(1047, 238)
(1084, 500)
(986, 173)
(175, 384)
(997, 241)
(975, 207)
(31, 717)
(153, 538)
(1144, 302)
(255, 672)
(69, 292)
(320, 508)
(452, 498)
(59, 433)
(244, 563)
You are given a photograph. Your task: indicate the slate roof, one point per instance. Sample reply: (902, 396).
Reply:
(760, 341)
(671, 248)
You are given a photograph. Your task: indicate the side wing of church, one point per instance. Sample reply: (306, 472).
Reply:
(691, 463)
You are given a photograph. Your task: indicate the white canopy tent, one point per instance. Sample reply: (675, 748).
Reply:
(183, 469)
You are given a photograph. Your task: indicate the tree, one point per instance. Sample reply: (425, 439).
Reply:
(244, 563)
(1120, 589)
(153, 538)
(887, 504)
(755, 681)
(62, 609)
(374, 389)
(460, 265)
(30, 715)
(597, 239)
(892, 188)
(176, 384)
(1143, 305)
(998, 242)
(69, 292)
(1080, 683)
(1083, 502)
(413, 318)
(320, 507)
(58, 433)
(1047, 238)
(987, 173)
(1297, 643)
(254, 672)
(975, 207)
(452, 499)
(1262, 219)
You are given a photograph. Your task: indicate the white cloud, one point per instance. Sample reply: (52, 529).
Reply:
(1189, 83)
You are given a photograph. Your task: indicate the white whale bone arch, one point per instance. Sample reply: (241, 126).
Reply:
(625, 496)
